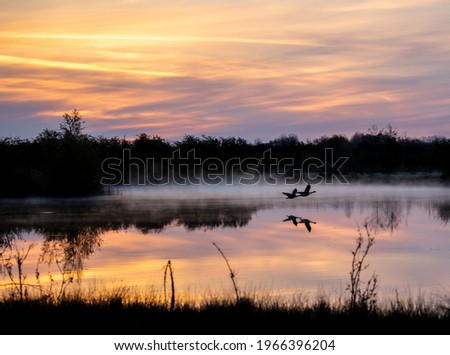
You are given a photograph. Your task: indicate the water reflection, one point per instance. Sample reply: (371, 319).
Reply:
(70, 248)
(385, 216)
(106, 238)
(73, 230)
(307, 223)
(443, 212)
(296, 220)
(56, 219)
(293, 219)
(69, 219)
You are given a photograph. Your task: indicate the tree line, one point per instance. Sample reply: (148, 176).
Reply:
(67, 162)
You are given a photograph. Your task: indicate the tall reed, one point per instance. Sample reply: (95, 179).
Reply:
(232, 274)
(168, 267)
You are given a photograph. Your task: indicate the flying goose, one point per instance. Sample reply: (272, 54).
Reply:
(307, 191)
(291, 195)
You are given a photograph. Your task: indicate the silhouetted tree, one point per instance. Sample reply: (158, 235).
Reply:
(72, 124)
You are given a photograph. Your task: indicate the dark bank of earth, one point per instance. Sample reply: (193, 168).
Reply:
(74, 318)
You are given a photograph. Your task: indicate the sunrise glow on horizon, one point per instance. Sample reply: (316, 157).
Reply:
(253, 69)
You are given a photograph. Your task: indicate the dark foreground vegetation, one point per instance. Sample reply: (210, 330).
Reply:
(113, 316)
(68, 162)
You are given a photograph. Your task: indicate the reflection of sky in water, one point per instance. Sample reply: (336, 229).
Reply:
(412, 249)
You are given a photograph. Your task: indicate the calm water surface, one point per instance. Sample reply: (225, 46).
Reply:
(125, 240)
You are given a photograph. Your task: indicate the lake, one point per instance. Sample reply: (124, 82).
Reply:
(122, 242)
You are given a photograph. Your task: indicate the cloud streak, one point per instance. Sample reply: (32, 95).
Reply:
(77, 66)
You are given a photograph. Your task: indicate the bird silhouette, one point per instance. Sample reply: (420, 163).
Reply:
(307, 223)
(306, 192)
(292, 218)
(292, 194)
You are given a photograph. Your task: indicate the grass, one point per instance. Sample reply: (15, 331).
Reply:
(118, 313)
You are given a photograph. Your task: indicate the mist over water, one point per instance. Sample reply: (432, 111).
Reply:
(329, 189)
(127, 237)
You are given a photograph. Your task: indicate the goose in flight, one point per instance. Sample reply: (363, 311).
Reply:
(307, 223)
(291, 195)
(307, 191)
(293, 219)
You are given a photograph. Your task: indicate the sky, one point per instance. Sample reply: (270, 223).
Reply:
(247, 68)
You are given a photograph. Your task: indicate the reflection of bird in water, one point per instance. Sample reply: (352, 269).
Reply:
(296, 220)
(307, 191)
(291, 195)
(307, 223)
(292, 218)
